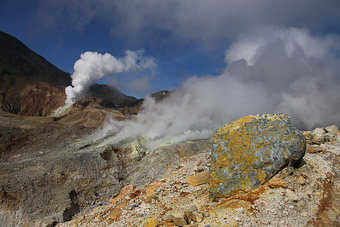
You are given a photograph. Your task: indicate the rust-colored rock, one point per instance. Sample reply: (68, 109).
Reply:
(124, 192)
(115, 214)
(153, 187)
(277, 183)
(199, 179)
(168, 224)
(313, 149)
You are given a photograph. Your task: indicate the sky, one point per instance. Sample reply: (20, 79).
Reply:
(185, 38)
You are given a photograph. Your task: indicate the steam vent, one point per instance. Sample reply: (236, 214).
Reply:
(248, 152)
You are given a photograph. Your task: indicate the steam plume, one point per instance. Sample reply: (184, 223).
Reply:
(272, 70)
(93, 66)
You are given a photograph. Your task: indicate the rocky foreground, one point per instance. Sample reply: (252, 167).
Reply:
(307, 194)
(53, 173)
(52, 170)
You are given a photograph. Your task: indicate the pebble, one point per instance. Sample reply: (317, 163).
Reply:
(151, 223)
(301, 180)
(291, 195)
(277, 183)
(179, 218)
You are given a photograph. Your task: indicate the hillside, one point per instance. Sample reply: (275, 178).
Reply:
(32, 86)
(18, 60)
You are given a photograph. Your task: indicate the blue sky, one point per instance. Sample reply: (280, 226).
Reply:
(186, 37)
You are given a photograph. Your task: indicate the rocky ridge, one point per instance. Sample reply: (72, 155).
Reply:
(304, 195)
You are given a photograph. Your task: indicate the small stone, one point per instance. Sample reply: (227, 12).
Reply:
(135, 194)
(184, 194)
(277, 183)
(291, 195)
(174, 200)
(199, 169)
(124, 192)
(318, 136)
(148, 199)
(332, 129)
(302, 180)
(199, 179)
(205, 214)
(168, 224)
(241, 209)
(133, 205)
(151, 223)
(191, 208)
(301, 204)
(168, 218)
(188, 216)
(115, 213)
(233, 223)
(97, 219)
(313, 149)
(153, 187)
(192, 225)
(197, 217)
(179, 218)
(304, 214)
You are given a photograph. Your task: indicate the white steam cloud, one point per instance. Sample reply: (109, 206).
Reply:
(93, 66)
(272, 70)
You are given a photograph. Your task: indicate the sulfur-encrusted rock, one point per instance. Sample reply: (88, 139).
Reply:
(248, 152)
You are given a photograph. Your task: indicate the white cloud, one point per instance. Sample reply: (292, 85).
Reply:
(287, 70)
(191, 20)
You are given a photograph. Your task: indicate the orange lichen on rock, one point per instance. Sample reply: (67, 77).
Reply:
(248, 152)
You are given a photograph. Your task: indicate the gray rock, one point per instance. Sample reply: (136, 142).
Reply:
(318, 136)
(332, 129)
(248, 152)
(55, 187)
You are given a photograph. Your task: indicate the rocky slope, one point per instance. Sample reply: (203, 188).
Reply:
(305, 195)
(51, 171)
(54, 173)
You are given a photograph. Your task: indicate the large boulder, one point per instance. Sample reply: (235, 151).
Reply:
(248, 152)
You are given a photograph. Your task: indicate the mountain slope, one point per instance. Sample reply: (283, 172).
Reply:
(16, 59)
(32, 86)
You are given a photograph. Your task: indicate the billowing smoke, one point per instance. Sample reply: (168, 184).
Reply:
(272, 70)
(93, 66)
